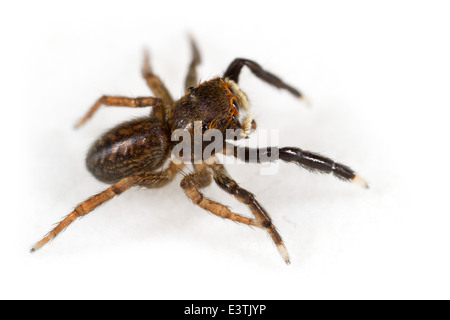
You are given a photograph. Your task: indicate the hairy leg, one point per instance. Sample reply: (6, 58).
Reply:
(156, 85)
(224, 181)
(86, 207)
(159, 179)
(201, 178)
(306, 159)
(234, 70)
(149, 180)
(116, 101)
(191, 77)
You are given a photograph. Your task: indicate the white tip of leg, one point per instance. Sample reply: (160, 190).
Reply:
(35, 248)
(358, 180)
(284, 253)
(305, 100)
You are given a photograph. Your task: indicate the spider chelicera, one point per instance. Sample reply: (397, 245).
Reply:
(134, 152)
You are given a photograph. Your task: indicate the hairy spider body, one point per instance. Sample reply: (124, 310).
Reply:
(134, 152)
(211, 102)
(136, 146)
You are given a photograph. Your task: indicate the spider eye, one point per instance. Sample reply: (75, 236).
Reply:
(190, 88)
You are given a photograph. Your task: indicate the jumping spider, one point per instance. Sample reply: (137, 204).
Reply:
(134, 152)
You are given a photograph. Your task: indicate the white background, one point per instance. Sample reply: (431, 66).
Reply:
(378, 76)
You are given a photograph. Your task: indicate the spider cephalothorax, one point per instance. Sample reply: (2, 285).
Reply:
(217, 103)
(134, 152)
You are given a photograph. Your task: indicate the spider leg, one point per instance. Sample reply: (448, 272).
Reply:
(223, 180)
(234, 69)
(149, 180)
(156, 85)
(86, 207)
(306, 159)
(201, 178)
(111, 101)
(159, 179)
(191, 77)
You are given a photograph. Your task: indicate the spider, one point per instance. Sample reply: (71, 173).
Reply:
(134, 153)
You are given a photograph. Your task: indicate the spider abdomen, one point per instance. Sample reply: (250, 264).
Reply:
(128, 149)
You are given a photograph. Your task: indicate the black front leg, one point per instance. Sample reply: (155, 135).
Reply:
(317, 163)
(308, 160)
(235, 68)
